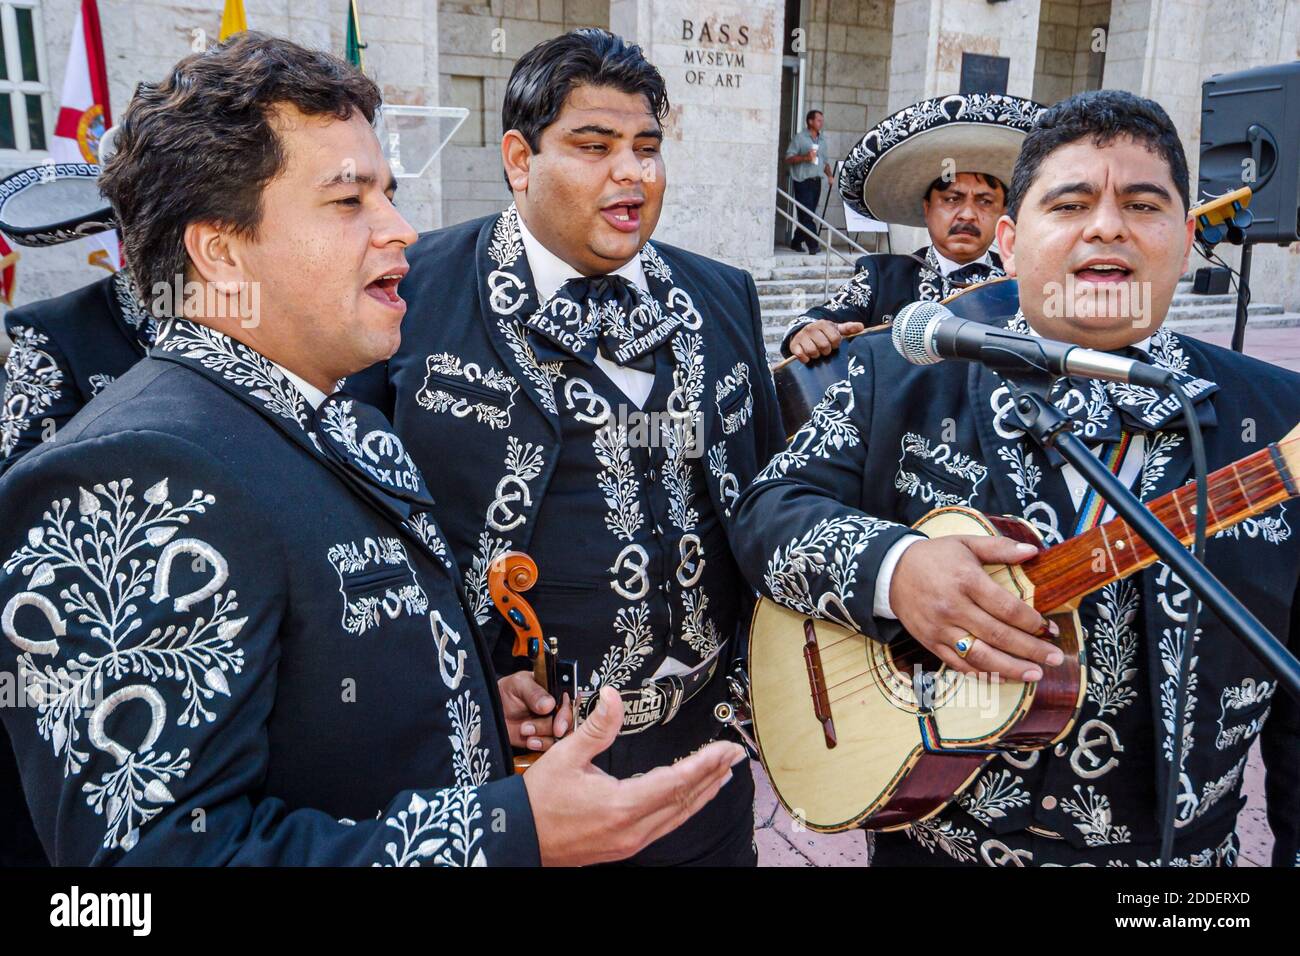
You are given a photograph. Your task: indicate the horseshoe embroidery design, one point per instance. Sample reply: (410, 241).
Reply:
(633, 558)
(46, 607)
(451, 667)
(119, 635)
(597, 411)
(199, 549)
(158, 716)
(504, 292)
(692, 565)
(1083, 752)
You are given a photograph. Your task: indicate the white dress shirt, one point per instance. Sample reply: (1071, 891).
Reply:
(550, 272)
(309, 391)
(947, 266)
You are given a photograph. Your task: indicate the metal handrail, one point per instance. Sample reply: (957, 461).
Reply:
(831, 231)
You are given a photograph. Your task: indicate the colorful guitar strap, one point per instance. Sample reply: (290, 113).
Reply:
(1093, 505)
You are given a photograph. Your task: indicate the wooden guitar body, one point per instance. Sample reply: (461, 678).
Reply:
(856, 732)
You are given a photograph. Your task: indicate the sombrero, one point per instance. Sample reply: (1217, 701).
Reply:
(887, 172)
(54, 203)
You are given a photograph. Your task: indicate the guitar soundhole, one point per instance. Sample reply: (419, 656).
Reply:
(906, 654)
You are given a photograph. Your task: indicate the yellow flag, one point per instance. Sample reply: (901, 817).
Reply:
(233, 20)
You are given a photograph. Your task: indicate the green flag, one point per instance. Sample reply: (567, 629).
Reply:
(353, 46)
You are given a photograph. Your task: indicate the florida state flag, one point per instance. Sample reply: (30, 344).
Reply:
(8, 268)
(85, 112)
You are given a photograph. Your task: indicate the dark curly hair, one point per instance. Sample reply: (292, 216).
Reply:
(1102, 115)
(200, 146)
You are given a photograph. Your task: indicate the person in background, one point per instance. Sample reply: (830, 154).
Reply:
(943, 164)
(808, 161)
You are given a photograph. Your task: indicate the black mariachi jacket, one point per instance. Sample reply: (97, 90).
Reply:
(238, 648)
(882, 285)
(470, 393)
(819, 519)
(66, 350)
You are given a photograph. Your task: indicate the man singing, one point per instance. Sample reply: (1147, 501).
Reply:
(942, 163)
(236, 624)
(1098, 201)
(605, 399)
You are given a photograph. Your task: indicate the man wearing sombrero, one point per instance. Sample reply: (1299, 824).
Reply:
(944, 164)
(65, 349)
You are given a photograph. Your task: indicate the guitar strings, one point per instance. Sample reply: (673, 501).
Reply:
(1257, 478)
(1251, 474)
(908, 658)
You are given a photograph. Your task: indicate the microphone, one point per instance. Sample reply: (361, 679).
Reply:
(926, 332)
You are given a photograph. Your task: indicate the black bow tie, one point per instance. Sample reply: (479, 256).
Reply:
(605, 313)
(1100, 412)
(970, 273)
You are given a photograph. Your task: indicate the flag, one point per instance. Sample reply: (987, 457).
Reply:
(84, 112)
(8, 266)
(353, 46)
(233, 20)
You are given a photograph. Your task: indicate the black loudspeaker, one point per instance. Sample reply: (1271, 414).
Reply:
(1250, 136)
(1210, 281)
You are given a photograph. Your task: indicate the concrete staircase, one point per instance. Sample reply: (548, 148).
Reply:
(796, 283)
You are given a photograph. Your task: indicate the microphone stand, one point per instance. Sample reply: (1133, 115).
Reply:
(1045, 424)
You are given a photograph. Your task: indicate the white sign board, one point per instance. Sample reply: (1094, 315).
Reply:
(854, 221)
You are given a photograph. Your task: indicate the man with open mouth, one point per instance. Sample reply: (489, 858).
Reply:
(236, 627)
(943, 163)
(573, 390)
(1098, 203)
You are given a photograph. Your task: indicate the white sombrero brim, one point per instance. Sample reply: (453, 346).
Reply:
(886, 173)
(896, 186)
(52, 204)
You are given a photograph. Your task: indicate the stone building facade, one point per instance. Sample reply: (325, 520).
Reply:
(740, 77)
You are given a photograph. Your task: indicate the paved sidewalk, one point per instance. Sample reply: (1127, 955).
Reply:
(781, 844)
(1279, 346)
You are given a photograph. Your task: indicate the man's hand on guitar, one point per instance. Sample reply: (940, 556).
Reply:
(941, 593)
(583, 815)
(528, 710)
(820, 338)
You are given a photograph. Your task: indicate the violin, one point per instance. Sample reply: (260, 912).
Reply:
(508, 576)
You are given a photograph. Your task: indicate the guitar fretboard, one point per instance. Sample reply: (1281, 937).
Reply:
(1112, 551)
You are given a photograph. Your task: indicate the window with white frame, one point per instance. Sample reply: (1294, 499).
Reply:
(24, 92)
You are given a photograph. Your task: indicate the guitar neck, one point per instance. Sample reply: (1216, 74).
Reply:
(1109, 552)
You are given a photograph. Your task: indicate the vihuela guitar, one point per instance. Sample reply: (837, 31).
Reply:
(857, 732)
